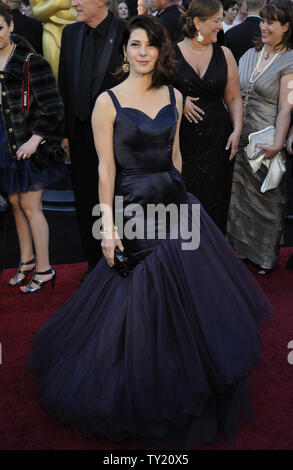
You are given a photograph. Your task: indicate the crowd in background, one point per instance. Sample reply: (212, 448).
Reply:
(187, 107)
(212, 136)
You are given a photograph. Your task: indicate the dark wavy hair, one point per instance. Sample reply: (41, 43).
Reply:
(204, 9)
(165, 70)
(279, 10)
(228, 4)
(5, 12)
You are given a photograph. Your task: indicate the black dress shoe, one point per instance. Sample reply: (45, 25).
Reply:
(289, 264)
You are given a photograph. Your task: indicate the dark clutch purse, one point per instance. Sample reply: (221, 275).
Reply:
(121, 265)
(47, 154)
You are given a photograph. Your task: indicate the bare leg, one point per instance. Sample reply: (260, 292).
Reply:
(24, 235)
(31, 203)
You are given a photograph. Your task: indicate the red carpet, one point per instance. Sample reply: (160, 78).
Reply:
(23, 424)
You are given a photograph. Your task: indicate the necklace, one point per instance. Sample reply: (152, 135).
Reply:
(268, 54)
(256, 73)
(197, 48)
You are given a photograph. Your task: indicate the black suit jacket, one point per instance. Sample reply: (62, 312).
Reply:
(240, 38)
(132, 7)
(70, 54)
(30, 29)
(170, 17)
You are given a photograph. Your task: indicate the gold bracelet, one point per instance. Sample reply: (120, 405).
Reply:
(108, 229)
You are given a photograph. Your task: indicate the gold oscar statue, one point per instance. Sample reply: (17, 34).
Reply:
(54, 14)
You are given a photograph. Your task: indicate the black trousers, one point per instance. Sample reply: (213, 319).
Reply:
(84, 174)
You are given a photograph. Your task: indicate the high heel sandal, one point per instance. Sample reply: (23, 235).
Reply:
(19, 281)
(31, 290)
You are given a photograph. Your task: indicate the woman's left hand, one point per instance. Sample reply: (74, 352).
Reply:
(232, 144)
(269, 152)
(29, 147)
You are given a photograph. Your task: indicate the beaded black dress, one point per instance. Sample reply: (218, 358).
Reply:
(162, 355)
(206, 168)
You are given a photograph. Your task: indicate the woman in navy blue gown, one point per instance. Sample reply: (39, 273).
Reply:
(163, 353)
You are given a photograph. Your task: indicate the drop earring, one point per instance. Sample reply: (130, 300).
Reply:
(200, 37)
(10, 37)
(125, 66)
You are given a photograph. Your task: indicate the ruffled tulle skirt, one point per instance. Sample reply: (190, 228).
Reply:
(163, 354)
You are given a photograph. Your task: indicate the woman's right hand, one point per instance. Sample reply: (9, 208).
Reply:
(191, 111)
(29, 147)
(109, 242)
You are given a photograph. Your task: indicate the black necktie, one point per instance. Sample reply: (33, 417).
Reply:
(84, 91)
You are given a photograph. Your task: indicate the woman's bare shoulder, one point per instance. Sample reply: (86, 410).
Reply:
(228, 53)
(103, 99)
(104, 107)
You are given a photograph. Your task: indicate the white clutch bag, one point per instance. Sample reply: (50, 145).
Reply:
(276, 167)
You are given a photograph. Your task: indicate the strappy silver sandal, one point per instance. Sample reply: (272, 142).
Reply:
(17, 280)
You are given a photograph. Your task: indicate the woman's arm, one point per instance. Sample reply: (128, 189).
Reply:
(102, 123)
(47, 111)
(233, 101)
(46, 114)
(290, 141)
(176, 154)
(283, 119)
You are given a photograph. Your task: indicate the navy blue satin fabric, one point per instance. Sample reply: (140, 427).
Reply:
(145, 171)
(162, 356)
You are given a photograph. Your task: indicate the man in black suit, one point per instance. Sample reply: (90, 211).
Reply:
(90, 53)
(240, 38)
(28, 28)
(132, 7)
(168, 13)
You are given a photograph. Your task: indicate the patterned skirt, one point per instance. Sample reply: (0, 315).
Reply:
(256, 220)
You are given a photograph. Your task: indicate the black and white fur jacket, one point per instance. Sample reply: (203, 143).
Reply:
(46, 109)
